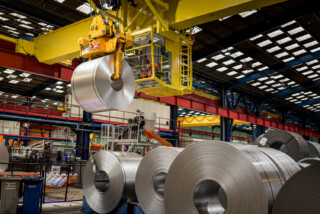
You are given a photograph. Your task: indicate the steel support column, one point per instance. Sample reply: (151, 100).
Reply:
(173, 124)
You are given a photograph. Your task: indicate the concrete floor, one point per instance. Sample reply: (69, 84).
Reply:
(58, 195)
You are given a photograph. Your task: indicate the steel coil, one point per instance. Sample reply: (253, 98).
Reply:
(292, 144)
(214, 177)
(109, 178)
(4, 157)
(94, 90)
(314, 149)
(308, 161)
(301, 193)
(151, 178)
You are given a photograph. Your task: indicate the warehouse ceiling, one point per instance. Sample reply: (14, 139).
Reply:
(269, 54)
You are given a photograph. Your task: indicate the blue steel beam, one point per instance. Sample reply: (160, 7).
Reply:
(278, 68)
(307, 103)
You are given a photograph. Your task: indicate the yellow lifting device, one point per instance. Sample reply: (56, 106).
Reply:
(161, 51)
(206, 120)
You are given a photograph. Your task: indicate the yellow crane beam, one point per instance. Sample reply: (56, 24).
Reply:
(207, 120)
(62, 44)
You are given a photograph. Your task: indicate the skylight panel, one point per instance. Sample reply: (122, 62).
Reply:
(59, 83)
(30, 34)
(302, 51)
(293, 46)
(247, 13)
(284, 40)
(275, 48)
(26, 26)
(85, 8)
(256, 64)
(288, 24)
(222, 69)
(14, 81)
(9, 71)
(48, 89)
(8, 27)
(256, 37)
(239, 77)
(59, 86)
(196, 29)
(264, 43)
(247, 71)
(3, 19)
(237, 54)
(315, 50)
(224, 18)
(228, 62)
(310, 44)
(269, 89)
(26, 80)
(237, 67)
(275, 33)
(42, 24)
(270, 82)
(256, 84)
(263, 87)
(277, 77)
(59, 91)
(307, 72)
(316, 67)
(248, 59)
(295, 30)
(232, 73)
(304, 37)
(312, 62)
(24, 75)
(263, 78)
(288, 59)
(11, 76)
(263, 68)
(24, 21)
(14, 32)
(18, 15)
(282, 54)
(201, 60)
(218, 57)
(302, 68)
(211, 64)
(313, 76)
(1, 78)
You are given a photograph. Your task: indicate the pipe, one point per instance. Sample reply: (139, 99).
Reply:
(151, 135)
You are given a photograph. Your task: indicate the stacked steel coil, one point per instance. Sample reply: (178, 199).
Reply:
(292, 144)
(4, 157)
(151, 178)
(219, 177)
(301, 193)
(314, 149)
(109, 178)
(95, 91)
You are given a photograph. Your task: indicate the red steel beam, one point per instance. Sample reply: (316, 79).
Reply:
(20, 62)
(213, 134)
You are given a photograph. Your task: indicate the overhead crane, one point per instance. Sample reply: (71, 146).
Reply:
(156, 39)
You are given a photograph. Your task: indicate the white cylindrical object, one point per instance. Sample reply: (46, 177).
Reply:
(109, 178)
(151, 178)
(95, 91)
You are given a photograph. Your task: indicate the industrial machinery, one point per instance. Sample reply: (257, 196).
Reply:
(129, 137)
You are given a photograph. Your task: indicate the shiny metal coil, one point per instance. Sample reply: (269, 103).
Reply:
(109, 178)
(4, 157)
(301, 193)
(314, 149)
(94, 90)
(214, 177)
(292, 144)
(151, 177)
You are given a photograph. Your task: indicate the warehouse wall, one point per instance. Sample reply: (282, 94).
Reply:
(9, 127)
(162, 111)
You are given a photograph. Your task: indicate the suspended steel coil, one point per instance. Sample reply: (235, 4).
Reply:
(314, 149)
(214, 177)
(95, 91)
(151, 177)
(109, 178)
(301, 193)
(292, 144)
(4, 157)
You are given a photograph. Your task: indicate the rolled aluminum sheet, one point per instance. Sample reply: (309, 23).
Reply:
(292, 144)
(314, 149)
(94, 90)
(301, 193)
(4, 157)
(214, 177)
(151, 177)
(109, 178)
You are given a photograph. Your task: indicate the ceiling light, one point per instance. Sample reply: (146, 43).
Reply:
(222, 69)
(48, 89)
(1, 78)
(293, 46)
(239, 77)
(295, 30)
(201, 60)
(29, 34)
(26, 80)
(232, 73)
(264, 43)
(312, 62)
(256, 84)
(11, 76)
(275, 33)
(59, 87)
(24, 75)
(14, 81)
(247, 71)
(218, 57)
(289, 23)
(18, 15)
(288, 59)
(263, 68)
(26, 26)
(302, 51)
(237, 54)
(60, 1)
(276, 48)
(237, 67)
(211, 64)
(8, 27)
(248, 59)
(307, 72)
(59, 91)
(247, 13)
(304, 37)
(59, 83)
(3, 19)
(284, 40)
(282, 54)
(69, 85)
(315, 50)
(85, 8)
(310, 44)
(229, 62)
